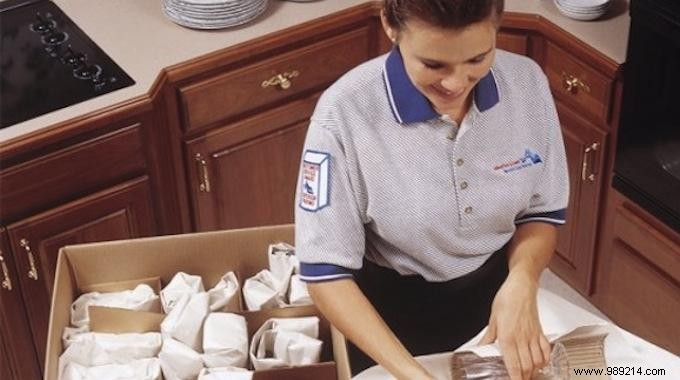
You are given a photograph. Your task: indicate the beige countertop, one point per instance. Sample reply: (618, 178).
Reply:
(139, 38)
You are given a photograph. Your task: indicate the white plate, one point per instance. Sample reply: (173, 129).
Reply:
(214, 23)
(582, 16)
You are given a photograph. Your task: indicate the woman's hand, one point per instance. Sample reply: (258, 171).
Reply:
(514, 323)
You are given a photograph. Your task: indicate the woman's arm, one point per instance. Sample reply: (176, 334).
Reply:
(346, 307)
(514, 318)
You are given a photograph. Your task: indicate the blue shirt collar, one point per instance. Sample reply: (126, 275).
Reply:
(409, 105)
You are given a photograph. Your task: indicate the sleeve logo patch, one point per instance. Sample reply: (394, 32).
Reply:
(314, 187)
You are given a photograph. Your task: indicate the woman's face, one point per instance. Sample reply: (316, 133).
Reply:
(446, 64)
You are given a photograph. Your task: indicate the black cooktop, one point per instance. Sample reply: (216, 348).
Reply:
(47, 62)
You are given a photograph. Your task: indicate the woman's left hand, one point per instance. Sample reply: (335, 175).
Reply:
(514, 323)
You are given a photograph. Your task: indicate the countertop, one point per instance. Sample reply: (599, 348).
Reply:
(139, 38)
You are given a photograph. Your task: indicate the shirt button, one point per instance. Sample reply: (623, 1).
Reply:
(460, 162)
(463, 185)
(468, 210)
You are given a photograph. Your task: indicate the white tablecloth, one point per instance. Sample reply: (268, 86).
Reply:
(559, 317)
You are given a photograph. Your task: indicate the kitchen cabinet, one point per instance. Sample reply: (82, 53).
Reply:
(119, 212)
(245, 128)
(576, 238)
(584, 92)
(91, 186)
(638, 273)
(18, 356)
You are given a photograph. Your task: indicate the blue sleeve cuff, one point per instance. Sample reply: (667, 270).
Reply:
(552, 217)
(324, 272)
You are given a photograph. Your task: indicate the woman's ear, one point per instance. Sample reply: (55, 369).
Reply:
(392, 33)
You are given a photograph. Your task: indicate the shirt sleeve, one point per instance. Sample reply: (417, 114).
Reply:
(329, 232)
(551, 194)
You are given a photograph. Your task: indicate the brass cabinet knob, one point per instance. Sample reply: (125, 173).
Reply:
(33, 272)
(573, 84)
(282, 80)
(6, 280)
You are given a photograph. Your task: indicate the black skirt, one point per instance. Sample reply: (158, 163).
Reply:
(430, 317)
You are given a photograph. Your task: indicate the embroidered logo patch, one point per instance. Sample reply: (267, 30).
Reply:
(314, 187)
(528, 159)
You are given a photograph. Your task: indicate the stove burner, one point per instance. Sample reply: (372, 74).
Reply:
(73, 58)
(55, 38)
(43, 25)
(87, 72)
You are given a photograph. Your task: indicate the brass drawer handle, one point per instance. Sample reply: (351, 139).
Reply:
(6, 280)
(281, 80)
(203, 174)
(573, 84)
(584, 169)
(33, 273)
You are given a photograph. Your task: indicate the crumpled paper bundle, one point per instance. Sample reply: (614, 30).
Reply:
(121, 347)
(185, 321)
(142, 298)
(278, 286)
(282, 342)
(225, 341)
(143, 369)
(179, 361)
(182, 284)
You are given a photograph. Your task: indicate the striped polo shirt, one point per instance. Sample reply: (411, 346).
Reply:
(385, 177)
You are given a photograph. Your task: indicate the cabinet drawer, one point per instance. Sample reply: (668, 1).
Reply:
(516, 43)
(639, 285)
(67, 173)
(578, 83)
(244, 89)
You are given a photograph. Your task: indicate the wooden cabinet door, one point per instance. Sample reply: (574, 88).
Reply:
(245, 174)
(120, 212)
(638, 273)
(585, 146)
(5, 371)
(18, 358)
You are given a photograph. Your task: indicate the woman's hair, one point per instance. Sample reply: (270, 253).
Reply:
(454, 14)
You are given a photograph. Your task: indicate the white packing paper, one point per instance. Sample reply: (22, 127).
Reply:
(298, 295)
(178, 361)
(225, 373)
(142, 298)
(144, 369)
(185, 321)
(264, 291)
(263, 354)
(305, 325)
(223, 296)
(262, 350)
(296, 349)
(282, 261)
(122, 347)
(225, 340)
(180, 285)
(72, 334)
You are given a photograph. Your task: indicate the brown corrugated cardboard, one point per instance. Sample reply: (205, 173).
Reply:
(120, 321)
(119, 286)
(209, 255)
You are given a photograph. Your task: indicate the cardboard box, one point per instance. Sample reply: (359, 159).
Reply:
(210, 255)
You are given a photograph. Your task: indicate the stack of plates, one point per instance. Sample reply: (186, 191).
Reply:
(213, 14)
(582, 9)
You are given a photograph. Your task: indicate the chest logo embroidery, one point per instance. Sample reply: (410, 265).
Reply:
(529, 158)
(314, 188)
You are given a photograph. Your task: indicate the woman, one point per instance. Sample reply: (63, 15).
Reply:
(431, 183)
